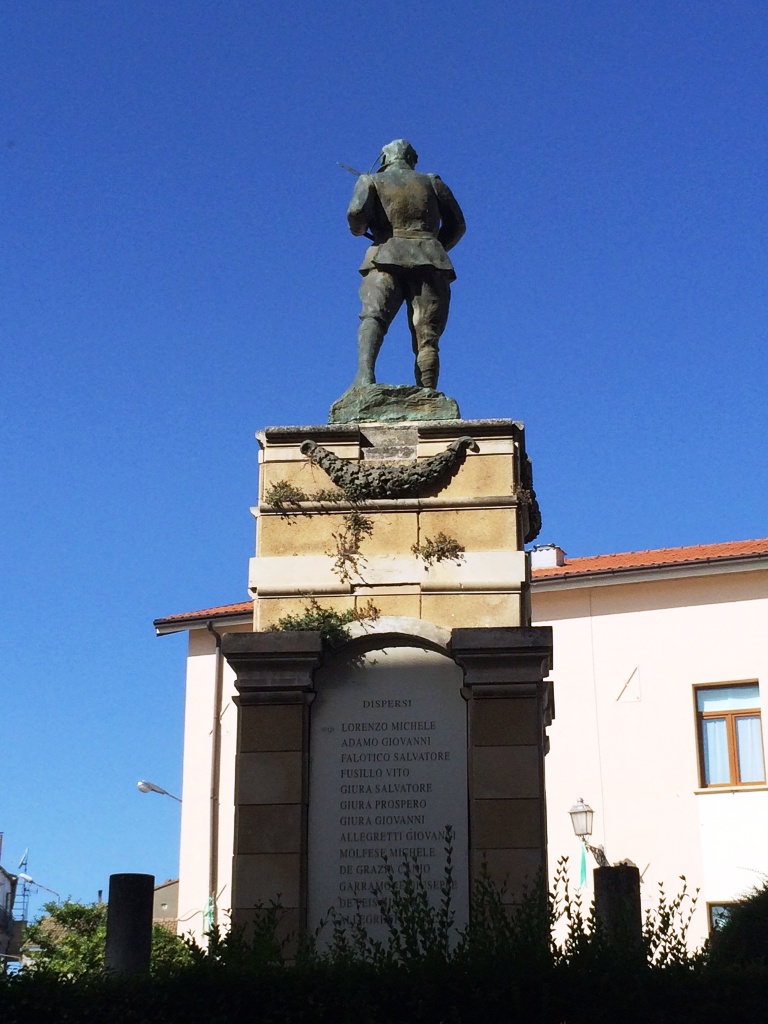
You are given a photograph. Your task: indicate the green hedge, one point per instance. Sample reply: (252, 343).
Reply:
(505, 967)
(362, 994)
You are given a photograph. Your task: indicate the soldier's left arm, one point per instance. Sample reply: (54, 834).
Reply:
(362, 207)
(452, 223)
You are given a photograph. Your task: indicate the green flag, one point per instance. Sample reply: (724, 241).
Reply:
(208, 915)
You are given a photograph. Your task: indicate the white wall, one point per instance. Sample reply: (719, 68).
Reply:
(196, 816)
(627, 658)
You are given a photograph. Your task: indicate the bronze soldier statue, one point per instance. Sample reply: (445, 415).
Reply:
(413, 220)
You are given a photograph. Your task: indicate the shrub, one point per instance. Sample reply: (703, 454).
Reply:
(743, 938)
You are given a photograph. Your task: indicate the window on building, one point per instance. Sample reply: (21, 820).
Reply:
(719, 914)
(730, 737)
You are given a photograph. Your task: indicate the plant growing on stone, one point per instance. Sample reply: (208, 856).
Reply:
(332, 625)
(283, 495)
(347, 558)
(441, 548)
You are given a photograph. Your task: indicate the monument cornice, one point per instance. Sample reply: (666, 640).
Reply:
(434, 430)
(271, 663)
(502, 655)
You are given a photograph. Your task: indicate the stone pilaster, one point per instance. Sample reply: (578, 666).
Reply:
(510, 706)
(274, 683)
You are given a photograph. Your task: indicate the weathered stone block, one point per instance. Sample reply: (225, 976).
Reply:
(271, 728)
(261, 877)
(471, 609)
(269, 828)
(500, 773)
(478, 529)
(269, 778)
(506, 824)
(505, 721)
(515, 869)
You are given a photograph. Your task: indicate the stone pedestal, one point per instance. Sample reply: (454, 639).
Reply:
(433, 711)
(481, 723)
(484, 502)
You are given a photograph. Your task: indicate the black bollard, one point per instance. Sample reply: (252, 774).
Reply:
(617, 906)
(129, 923)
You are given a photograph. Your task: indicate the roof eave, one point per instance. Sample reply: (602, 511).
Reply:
(643, 574)
(164, 627)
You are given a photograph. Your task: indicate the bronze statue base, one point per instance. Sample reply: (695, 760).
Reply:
(392, 403)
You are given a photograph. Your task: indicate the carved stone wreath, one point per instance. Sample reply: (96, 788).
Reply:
(361, 481)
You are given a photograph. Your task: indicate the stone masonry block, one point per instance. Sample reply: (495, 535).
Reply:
(507, 824)
(392, 604)
(269, 828)
(478, 529)
(271, 727)
(502, 773)
(517, 870)
(487, 475)
(393, 532)
(298, 534)
(471, 609)
(261, 877)
(269, 778)
(505, 721)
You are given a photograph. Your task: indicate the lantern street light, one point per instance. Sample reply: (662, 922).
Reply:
(28, 880)
(150, 787)
(581, 819)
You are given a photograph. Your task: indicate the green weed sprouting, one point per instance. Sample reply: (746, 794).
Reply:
(441, 548)
(282, 495)
(332, 625)
(347, 558)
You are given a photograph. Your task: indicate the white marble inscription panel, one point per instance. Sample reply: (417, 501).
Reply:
(388, 772)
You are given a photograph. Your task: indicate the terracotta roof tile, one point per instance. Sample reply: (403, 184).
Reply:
(627, 560)
(223, 611)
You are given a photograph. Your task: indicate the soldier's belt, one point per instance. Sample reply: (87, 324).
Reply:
(411, 233)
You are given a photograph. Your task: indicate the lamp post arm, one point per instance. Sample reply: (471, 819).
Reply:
(599, 854)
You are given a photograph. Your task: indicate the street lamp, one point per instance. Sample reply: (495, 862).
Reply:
(30, 881)
(149, 787)
(581, 819)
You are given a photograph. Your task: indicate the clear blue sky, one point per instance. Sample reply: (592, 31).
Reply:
(177, 273)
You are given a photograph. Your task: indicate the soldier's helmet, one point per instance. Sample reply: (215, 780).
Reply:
(399, 149)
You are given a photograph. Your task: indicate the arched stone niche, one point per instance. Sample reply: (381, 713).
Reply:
(484, 690)
(388, 772)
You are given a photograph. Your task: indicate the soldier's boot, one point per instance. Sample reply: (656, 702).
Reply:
(369, 339)
(427, 365)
